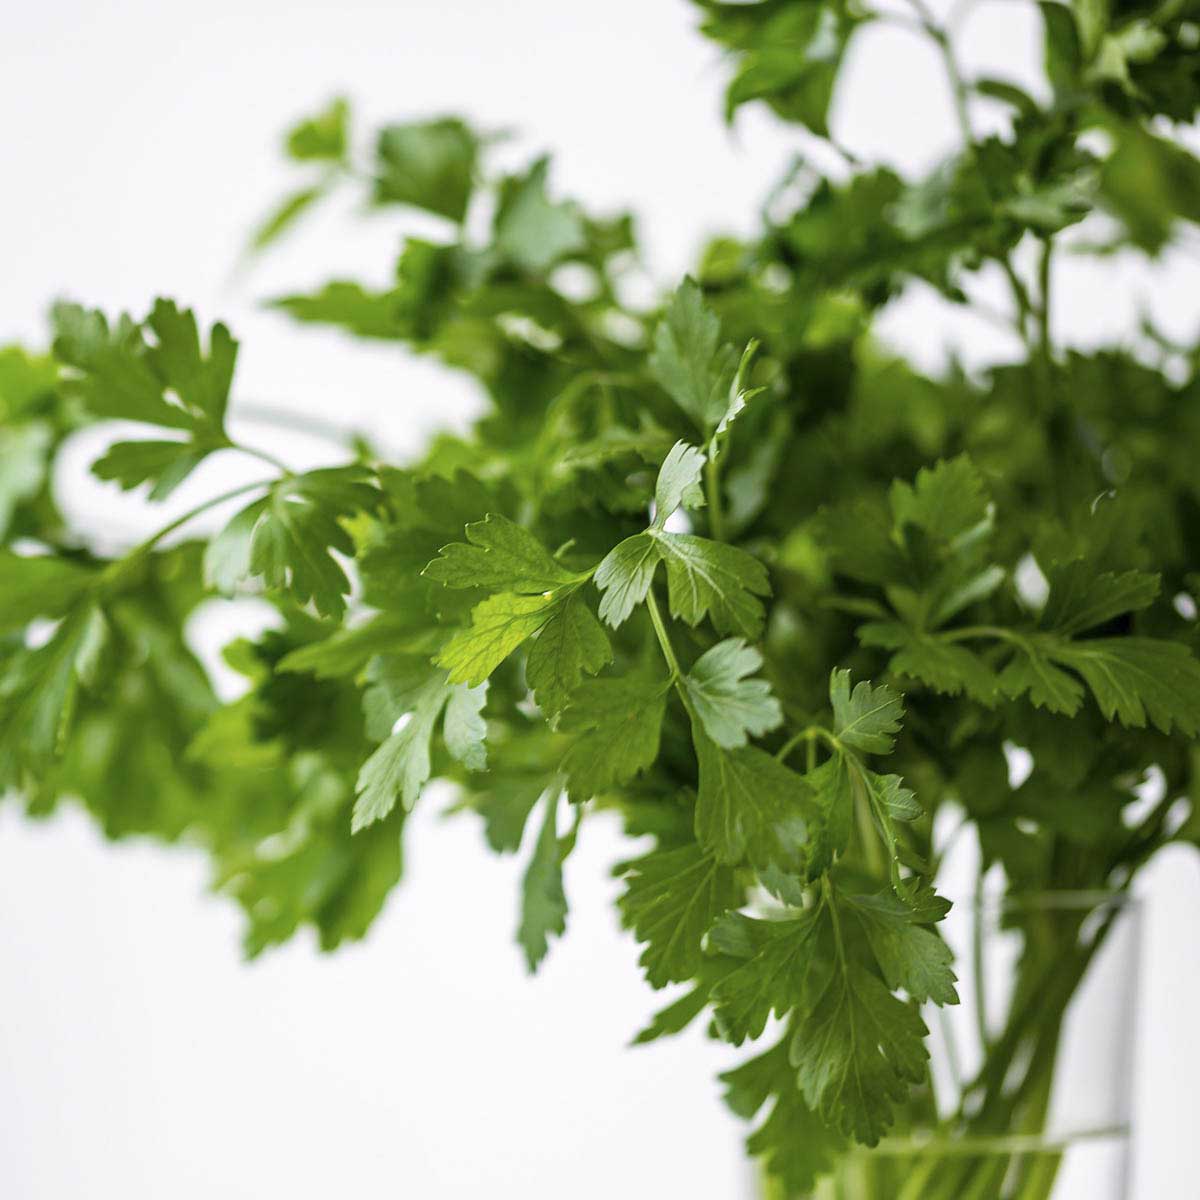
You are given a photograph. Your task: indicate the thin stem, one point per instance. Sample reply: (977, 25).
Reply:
(958, 87)
(664, 642)
(712, 488)
(966, 632)
(979, 970)
(809, 734)
(170, 527)
(1044, 306)
(1025, 308)
(827, 896)
(877, 859)
(263, 456)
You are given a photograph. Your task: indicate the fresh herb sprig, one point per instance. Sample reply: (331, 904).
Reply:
(730, 569)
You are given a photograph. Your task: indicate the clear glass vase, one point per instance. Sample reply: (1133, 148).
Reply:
(1031, 1078)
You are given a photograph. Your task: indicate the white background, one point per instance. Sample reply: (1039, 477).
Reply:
(139, 1058)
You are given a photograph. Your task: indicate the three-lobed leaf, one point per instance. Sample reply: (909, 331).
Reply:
(731, 707)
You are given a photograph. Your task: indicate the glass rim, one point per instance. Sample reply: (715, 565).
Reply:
(1050, 899)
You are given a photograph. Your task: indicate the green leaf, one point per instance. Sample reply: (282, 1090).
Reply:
(402, 709)
(348, 650)
(897, 801)
(24, 459)
(947, 501)
(292, 533)
(158, 374)
(794, 1144)
(1081, 598)
(37, 586)
(856, 1053)
(678, 482)
(706, 578)
(858, 537)
(625, 575)
(463, 728)
(868, 718)
(348, 305)
(570, 643)
(1064, 54)
(1030, 670)
(428, 164)
(910, 956)
(729, 705)
(532, 232)
(749, 804)
(942, 665)
(323, 137)
(1151, 183)
(163, 464)
(1136, 679)
(778, 961)
(675, 1017)
(499, 625)
(690, 362)
(39, 691)
(200, 381)
(618, 722)
(786, 55)
(505, 804)
(502, 556)
(832, 785)
(543, 903)
(739, 396)
(671, 898)
(285, 214)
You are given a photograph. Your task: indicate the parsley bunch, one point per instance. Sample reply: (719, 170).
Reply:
(728, 568)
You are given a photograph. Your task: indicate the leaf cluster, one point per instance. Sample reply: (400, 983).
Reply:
(727, 568)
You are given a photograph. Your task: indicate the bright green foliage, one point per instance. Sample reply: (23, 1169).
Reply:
(157, 373)
(749, 804)
(777, 959)
(671, 899)
(856, 1052)
(866, 718)
(531, 232)
(730, 706)
(402, 706)
(571, 644)
(502, 556)
(795, 1145)
(429, 164)
(689, 360)
(543, 904)
(284, 540)
(910, 956)
(678, 483)
(725, 568)
(619, 723)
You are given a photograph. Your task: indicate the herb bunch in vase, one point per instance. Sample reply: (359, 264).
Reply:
(806, 620)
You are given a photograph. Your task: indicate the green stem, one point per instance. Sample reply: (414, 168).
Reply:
(664, 642)
(1025, 308)
(966, 632)
(712, 489)
(1044, 298)
(958, 86)
(978, 968)
(809, 734)
(263, 456)
(192, 513)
